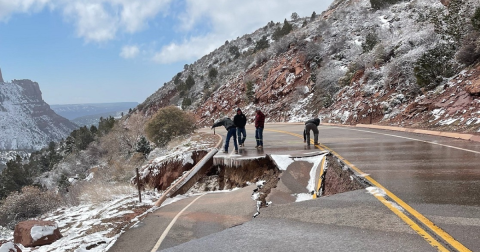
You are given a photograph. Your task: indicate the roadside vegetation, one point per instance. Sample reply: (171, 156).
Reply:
(90, 165)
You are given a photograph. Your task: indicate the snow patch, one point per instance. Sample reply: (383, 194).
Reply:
(282, 161)
(38, 232)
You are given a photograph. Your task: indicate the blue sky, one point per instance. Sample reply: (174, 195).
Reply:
(94, 51)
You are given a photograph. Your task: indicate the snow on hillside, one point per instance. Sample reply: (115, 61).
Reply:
(351, 64)
(26, 121)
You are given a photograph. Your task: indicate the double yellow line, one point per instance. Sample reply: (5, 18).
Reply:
(434, 228)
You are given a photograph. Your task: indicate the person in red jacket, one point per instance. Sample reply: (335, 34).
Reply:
(259, 125)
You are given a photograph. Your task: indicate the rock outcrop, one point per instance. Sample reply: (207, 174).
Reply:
(34, 233)
(27, 122)
(1, 77)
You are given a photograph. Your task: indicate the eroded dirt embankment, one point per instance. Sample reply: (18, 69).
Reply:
(161, 174)
(339, 178)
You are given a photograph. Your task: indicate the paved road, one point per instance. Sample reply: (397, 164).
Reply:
(434, 179)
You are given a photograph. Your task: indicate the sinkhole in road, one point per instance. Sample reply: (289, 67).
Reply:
(225, 175)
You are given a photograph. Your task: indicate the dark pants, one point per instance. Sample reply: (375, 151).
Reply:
(312, 127)
(241, 131)
(259, 136)
(231, 133)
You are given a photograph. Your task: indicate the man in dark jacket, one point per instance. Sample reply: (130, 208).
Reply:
(240, 120)
(231, 130)
(312, 125)
(259, 125)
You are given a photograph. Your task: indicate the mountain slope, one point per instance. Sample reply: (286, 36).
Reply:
(361, 61)
(26, 121)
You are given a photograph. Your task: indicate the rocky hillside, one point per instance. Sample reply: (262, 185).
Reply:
(26, 121)
(410, 63)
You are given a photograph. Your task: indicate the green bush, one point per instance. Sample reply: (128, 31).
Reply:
(186, 102)
(380, 4)
(476, 19)
(370, 41)
(434, 66)
(249, 91)
(233, 50)
(143, 146)
(261, 44)
(190, 82)
(212, 73)
(286, 29)
(168, 123)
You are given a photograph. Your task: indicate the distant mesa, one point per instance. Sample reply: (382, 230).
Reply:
(27, 121)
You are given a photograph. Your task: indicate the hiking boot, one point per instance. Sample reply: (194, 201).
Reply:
(260, 147)
(316, 144)
(236, 151)
(224, 151)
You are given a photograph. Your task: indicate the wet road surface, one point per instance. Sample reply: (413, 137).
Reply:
(438, 177)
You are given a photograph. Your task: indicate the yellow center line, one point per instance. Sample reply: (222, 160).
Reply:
(437, 230)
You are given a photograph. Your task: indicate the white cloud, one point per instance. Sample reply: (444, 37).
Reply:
(9, 7)
(193, 48)
(101, 20)
(129, 52)
(228, 20)
(94, 20)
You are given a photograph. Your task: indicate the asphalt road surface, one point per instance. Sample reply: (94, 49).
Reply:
(427, 198)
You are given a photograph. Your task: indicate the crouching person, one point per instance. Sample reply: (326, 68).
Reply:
(231, 132)
(311, 125)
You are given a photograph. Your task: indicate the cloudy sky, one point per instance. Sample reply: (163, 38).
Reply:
(93, 51)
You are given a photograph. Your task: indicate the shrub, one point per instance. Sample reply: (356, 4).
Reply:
(186, 102)
(370, 41)
(168, 123)
(433, 66)
(212, 73)
(249, 91)
(260, 58)
(176, 80)
(379, 4)
(282, 45)
(29, 203)
(476, 19)
(286, 29)
(469, 52)
(261, 44)
(233, 50)
(314, 15)
(294, 16)
(190, 82)
(143, 146)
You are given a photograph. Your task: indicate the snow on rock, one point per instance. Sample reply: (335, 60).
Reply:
(38, 232)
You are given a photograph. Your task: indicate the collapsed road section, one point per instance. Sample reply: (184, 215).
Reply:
(280, 179)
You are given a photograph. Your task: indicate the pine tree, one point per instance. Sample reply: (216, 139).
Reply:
(314, 15)
(143, 146)
(190, 82)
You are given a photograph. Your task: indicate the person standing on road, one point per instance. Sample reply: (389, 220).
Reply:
(240, 121)
(259, 125)
(311, 125)
(231, 131)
